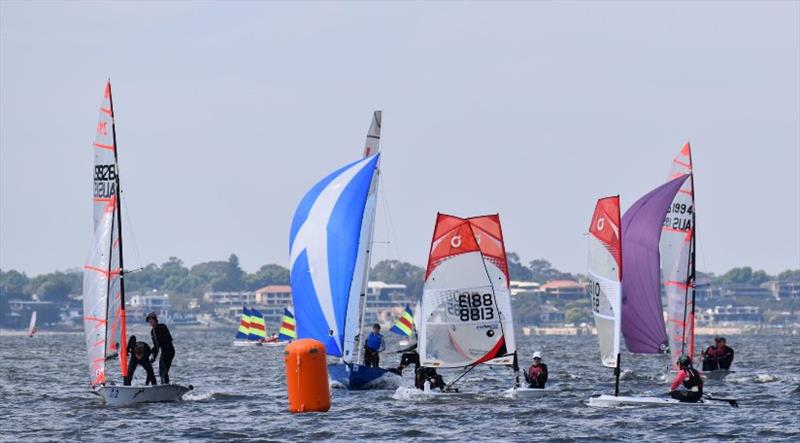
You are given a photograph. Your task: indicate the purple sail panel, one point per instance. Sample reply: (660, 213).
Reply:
(642, 317)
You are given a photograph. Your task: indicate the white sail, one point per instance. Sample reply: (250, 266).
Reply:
(605, 275)
(32, 325)
(357, 302)
(676, 250)
(104, 316)
(461, 322)
(96, 276)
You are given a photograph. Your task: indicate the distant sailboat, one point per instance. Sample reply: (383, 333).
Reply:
(404, 326)
(32, 325)
(103, 278)
(465, 314)
(288, 331)
(329, 246)
(252, 329)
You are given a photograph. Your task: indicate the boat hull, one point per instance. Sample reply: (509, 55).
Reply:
(528, 392)
(356, 377)
(244, 343)
(128, 395)
(610, 401)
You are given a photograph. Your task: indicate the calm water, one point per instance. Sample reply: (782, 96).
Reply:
(240, 395)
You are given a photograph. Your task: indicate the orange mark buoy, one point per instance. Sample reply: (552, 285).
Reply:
(307, 376)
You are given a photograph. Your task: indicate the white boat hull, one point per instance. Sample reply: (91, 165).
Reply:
(528, 392)
(128, 395)
(610, 401)
(259, 343)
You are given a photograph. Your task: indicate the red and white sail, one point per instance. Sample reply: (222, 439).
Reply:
(677, 242)
(465, 313)
(104, 318)
(605, 277)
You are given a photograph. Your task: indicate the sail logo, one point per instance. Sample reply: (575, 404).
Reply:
(455, 241)
(102, 128)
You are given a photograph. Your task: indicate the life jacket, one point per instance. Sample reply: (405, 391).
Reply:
(535, 371)
(374, 341)
(692, 379)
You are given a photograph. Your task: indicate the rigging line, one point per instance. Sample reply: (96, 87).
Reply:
(131, 231)
(388, 220)
(469, 368)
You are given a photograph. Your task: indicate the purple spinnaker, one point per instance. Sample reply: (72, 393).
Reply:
(642, 317)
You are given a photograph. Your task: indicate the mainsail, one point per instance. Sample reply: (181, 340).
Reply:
(605, 275)
(642, 317)
(32, 325)
(258, 329)
(103, 288)
(404, 325)
(324, 245)
(465, 313)
(677, 265)
(288, 329)
(244, 325)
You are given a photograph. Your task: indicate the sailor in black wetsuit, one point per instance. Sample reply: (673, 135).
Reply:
(409, 356)
(162, 342)
(719, 356)
(690, 378)
(536, 375)
(423, 374)
(140, 353)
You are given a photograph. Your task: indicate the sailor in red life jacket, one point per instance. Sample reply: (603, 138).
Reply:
(690, 378)
(536, 375)
(719, 356)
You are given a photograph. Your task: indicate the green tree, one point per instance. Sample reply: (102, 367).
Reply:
(13, 283)
(395, 271)
(516, 270)
(543, 271)
(789, 275)
(267, 275)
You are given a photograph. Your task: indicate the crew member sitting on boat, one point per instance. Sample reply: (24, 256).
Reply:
(719, 356)
(435, 381)
(140, 356)
(272, 338)
(162, 341)
(536, 375)
(373, 347)
(690, 378)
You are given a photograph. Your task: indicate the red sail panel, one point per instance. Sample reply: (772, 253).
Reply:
(489, 235)
(605, 227)
(451, 236)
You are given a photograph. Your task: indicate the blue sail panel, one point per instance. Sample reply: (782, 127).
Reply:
(323, 246)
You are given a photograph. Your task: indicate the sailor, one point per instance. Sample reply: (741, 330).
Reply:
(536, 375)
(690, 378)
(423, 374)
(162, 341)
(373, 347)
(409, 356)
(140, 353)
(719, 356)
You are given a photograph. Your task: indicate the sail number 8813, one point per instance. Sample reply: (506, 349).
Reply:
(472, 306)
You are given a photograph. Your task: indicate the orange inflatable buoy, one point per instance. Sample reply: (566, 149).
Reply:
(307, 376)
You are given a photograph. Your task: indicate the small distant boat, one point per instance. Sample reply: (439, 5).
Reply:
(252, 330)
(404, 326)
(465, 316)
(103, 286)
(32, 325)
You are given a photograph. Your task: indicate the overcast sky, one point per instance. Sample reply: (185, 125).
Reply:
(228, 113)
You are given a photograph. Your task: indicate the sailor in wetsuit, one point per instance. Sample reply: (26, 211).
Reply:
(690, 378)
(373, 347)
(409, 356)
(719, 356)
(162, 342)
(423, 374)
(140, 356)
(536, 375)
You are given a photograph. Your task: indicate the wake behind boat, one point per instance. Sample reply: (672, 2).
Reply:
(103, 278)
(608, 401)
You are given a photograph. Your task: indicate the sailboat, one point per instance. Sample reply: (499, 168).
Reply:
(329, 246)
(252, 328)
(404, 326)
(32, 325)
(629, 303)
(103, 278)
(465, 314)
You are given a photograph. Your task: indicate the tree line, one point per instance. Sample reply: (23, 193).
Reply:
(173, 276)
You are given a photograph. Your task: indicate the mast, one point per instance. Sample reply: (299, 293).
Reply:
(692, 280)
(123, 351)
(618, 325)
(371, 146)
